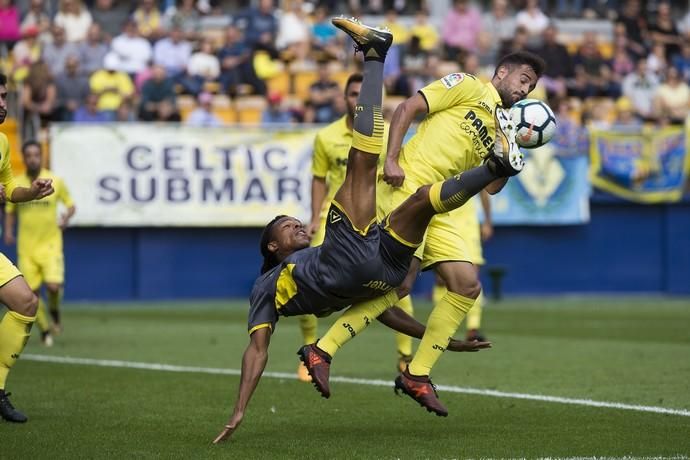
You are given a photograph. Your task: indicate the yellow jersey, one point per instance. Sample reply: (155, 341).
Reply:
(6, 178)
(458, 132)
(38, 220)
(331, 149)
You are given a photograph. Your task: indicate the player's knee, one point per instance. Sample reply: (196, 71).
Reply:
(27, 304)
(470, 288)
(53, 288)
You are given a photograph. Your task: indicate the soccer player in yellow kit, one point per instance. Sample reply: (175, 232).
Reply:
(15, 294)
(39, 246)
(329, 165)
(474, 235)
(466, 123)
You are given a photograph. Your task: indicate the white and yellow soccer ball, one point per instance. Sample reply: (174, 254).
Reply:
(534, 121)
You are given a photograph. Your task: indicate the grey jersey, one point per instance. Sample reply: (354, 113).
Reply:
(347, 268)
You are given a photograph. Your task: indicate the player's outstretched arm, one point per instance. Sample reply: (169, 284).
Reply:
(40, 188)
(253, 365)
(403, 116)
(398, 320)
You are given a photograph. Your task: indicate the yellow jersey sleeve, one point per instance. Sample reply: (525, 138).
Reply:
(63, 193)
(6, 177)
(320, 161)
(452, 90)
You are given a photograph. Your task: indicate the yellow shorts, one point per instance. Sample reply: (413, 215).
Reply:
(8, 271)
(42, 266)
(451, 236)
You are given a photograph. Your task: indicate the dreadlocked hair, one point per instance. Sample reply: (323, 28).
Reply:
(270, 259)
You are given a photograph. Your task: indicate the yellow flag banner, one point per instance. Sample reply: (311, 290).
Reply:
(649, 166)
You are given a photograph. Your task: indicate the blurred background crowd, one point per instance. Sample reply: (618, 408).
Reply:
(610, 63)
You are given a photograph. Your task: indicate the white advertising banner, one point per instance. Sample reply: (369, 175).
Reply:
(136, 174)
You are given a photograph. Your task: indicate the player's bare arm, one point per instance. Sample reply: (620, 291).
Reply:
(40, 188)
(403, 117)
(253, 365)
(319, 190)
(65, 218)
(397, 319)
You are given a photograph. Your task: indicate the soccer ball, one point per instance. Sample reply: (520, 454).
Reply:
(534, 121)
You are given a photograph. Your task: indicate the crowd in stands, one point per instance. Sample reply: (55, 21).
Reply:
(199, 61)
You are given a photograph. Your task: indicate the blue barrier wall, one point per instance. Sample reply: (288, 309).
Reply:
(625, 248)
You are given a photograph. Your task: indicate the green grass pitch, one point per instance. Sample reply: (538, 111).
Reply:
(629, 351)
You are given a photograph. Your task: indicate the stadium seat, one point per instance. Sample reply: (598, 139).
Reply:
(250, 108)
(302, 82)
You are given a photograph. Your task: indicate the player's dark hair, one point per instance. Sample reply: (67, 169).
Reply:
(270, 259)
(3, 79)
(30, 143)
(523, 58)
(354, 78)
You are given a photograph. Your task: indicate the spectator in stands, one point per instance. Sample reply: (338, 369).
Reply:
(400, 31)
(569, 8)
(173, 52)
(132, 50)
(518, 43)
(684, 25)
(639, 87)
(324, 37)
(158, 89)
(560, 68)
(570, 136)
(663, 30)
(265, 62)
(55, 54)
(294, 32)
(321, 106)
(168, 112)
(75, 18)
(534, 20)
(656, 61)
(125, 113)
(672, 99)
(72, 88)
(235, 64)
(460, 31)
(89, 113)
(203, 115)
(274, 111)
(9, 23)
(428, 36)
(412, 70)
(111, 85)
(622, 61)
(203, 68)
(635, 27)
(625, 118)
(38, 99)
(498, 28)
(148, 20)
(93, 50)
(620, 35)
(25, 52)
(184, 16)
(110, 16)
(682, 61)
(593, 76)
(255, 22)
(37, 17)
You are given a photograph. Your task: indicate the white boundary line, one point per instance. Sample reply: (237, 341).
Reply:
(383, 383)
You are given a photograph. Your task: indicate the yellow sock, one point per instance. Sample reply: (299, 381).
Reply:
(404, 342)
(42, 316)
(474, 316)
(354, 320)
(437, 293)
(444, 320)
(308, 325)
(15, 330)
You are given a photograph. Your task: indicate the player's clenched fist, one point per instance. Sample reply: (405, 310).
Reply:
(393, 174)
(41, 188)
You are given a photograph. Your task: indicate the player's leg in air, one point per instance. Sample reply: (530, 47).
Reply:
(15, 328)
(356, 197)
(408, 223)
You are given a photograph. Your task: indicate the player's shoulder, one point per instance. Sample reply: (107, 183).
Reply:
(460, 79)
